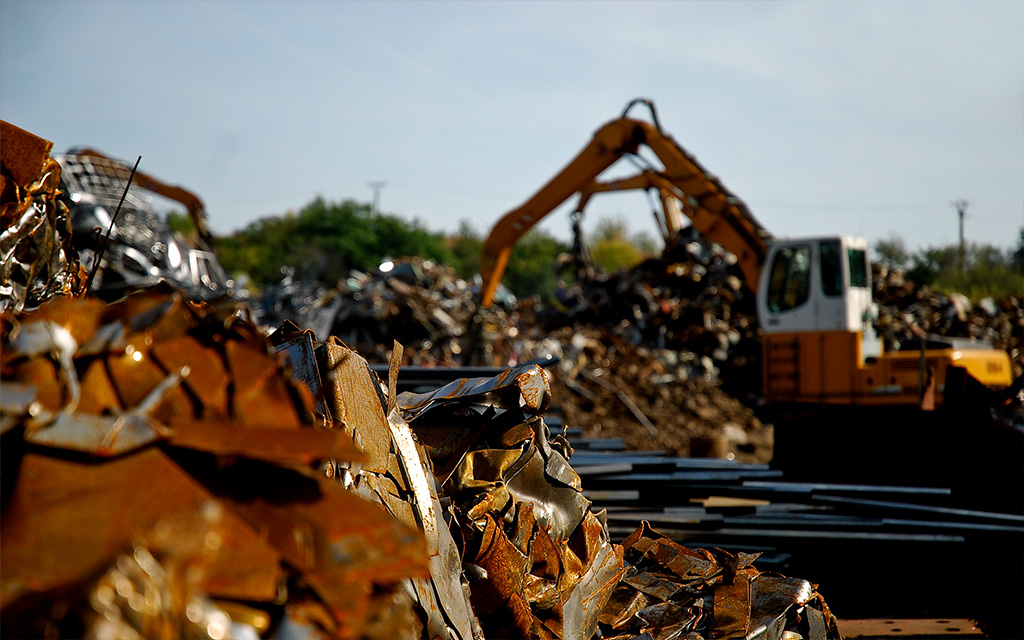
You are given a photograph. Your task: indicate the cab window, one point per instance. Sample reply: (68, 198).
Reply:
(858, 267)
(831, 268)
(789, 284)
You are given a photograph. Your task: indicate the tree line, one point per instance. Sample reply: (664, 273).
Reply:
(330, 239)
(976, 270)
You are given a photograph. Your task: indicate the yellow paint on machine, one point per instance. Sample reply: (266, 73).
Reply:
(828, 368)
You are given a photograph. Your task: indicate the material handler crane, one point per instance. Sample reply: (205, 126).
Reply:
(814, 299)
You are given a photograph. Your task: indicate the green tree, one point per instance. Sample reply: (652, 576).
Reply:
(531, 267)
(466, 248)
(646, 243)
(330, 238)
(987, 270)
(180, 222)
(612, 248)
(927, 264)
(1017, 253)
(893, 252)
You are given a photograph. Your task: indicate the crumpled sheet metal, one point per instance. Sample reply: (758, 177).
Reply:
(36, 259)
(110, 379)
(339, 521)
(538, 561)
(670, 591)
(526, 386)
(515, 550)
(393, 474)
(159, 444)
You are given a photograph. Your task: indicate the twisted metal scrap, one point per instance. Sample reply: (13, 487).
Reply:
(163, 478)
(35, 244)
(670, 591)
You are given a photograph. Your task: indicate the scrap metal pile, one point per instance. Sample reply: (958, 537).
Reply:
(688, 307)
(165, 477)
(162, 479)
(680, 329)
(141, 250)
(669, 347)
(910, 311)
(166, 474)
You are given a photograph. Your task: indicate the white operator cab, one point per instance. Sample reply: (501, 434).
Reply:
(815, 285)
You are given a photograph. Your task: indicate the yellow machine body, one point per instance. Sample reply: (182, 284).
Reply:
(828, 367)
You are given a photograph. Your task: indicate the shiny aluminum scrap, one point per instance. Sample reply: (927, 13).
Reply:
(142, 249)
(163, 478)
(36, 259)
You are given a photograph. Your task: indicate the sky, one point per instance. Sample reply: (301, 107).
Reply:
(865, 118)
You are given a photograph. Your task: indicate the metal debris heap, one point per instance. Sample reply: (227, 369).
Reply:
(170, 471)
(164, 476)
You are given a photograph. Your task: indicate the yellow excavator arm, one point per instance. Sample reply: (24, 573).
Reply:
(713, 210)
(672, 199)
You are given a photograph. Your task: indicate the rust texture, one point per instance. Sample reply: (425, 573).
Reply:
(163, 476)
(670, 591)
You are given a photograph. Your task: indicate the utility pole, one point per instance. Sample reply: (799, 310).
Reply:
(376, 187)
(961, 209)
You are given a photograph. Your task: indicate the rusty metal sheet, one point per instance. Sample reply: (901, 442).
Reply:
(107, 435)
(16, 401)
(909, 628)
(603, 569)
(66, 520)
(356, 540)
(499, 599)
(42, 375)
(23, 154)
(406, 492)
(525, 387)
(261, 396)
(134, 375)
(728, 598)
(355, 404)
(81, 317)
(263, 443)
(36, 259)
(208, 378)
(731, 608)
(564, 506)
(98, 393)
(771, 598)
(99, 435)
(652, 585)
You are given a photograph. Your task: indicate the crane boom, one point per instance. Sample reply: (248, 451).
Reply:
(713, 210)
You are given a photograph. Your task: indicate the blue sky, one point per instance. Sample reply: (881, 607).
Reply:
(868, 118)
